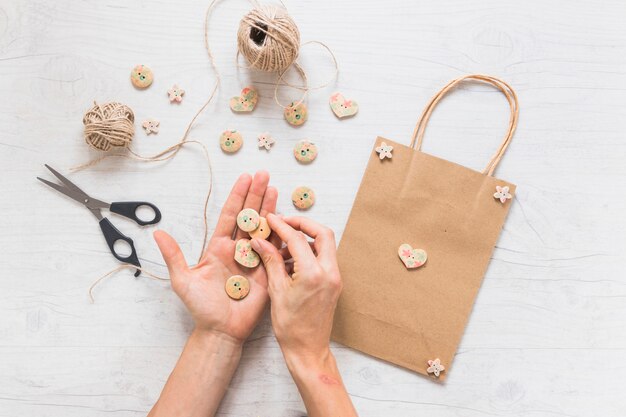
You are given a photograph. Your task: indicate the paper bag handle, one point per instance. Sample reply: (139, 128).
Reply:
(509, 93)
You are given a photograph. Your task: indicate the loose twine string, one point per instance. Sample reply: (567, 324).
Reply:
(278, 53)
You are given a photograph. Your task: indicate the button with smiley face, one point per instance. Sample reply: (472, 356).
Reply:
(303, 198)
(305, 151)
(141, 76)
(237, 287)
(248, 220)
(261, 232)
(296, 114)
(231, 141)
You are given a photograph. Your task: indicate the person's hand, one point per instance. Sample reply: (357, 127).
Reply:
(201, 287)
(303, 304)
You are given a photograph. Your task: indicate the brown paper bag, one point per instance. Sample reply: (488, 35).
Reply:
(410, 316)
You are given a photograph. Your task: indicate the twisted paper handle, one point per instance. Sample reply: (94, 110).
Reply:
(509, 93)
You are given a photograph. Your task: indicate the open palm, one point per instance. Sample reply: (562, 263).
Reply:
(201, 287)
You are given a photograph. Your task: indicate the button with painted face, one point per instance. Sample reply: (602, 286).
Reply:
(141, 76)
(303, 198)
(248, 220)
(305, 151)
(244, 255)
(296, 114)
(231, 141)
(237, 287)
(261, 232)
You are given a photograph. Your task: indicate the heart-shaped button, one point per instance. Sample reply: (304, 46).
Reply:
(412, 258)
(343, 107)
(245, 102)
(244, 255)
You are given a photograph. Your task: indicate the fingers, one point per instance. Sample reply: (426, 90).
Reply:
(254, 199)
(274, 263)
(284, 252)
(173, 257)
(295, 240)
(269, 201)
(269, 206)
(234, 203)
(324, 237)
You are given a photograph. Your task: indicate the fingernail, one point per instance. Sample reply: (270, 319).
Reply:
(255, 245)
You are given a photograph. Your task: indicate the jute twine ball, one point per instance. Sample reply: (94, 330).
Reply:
(269, 39)
(109, 125)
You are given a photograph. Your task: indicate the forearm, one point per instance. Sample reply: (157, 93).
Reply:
(320, 385)
(200, 378)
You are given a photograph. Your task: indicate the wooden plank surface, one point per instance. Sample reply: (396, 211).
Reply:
(547, 336)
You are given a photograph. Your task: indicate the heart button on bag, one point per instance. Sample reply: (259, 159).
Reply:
(412, 258)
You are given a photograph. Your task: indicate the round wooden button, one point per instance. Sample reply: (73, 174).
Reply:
(237, 287)
(141, 76)
(248, 220)
(305, 151)
(296, 114)
(244, 255)
(263, 231)
(303, 198)
(231, 141)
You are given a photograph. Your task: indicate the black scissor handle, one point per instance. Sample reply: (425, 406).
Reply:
(112, 235)
(129, 209)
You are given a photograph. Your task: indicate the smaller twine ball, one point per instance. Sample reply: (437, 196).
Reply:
(269, 39)
(109, 125)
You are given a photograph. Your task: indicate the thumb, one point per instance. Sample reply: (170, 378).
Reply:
(273, 261)
(172, 255)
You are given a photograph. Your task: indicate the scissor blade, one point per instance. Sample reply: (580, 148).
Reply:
(63, 190)
(69, 184)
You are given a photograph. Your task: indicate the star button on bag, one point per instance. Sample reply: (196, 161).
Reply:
(389, 308)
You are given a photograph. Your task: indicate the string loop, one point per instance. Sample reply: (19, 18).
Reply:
(418, 134)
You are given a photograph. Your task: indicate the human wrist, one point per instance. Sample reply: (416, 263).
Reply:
(216, 342)
(301, 362)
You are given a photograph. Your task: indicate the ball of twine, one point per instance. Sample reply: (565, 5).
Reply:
(109, 125)
(269, 39)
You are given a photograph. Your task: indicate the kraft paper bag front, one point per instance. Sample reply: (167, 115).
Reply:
(409, 316)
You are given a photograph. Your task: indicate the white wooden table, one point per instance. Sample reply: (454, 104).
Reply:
(547, 336)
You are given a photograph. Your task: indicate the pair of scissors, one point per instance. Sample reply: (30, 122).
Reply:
(111, 234)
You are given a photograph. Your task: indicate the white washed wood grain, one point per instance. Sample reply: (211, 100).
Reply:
(547, 336)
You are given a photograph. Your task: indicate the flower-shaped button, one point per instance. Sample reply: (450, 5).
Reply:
(435, 367)
(150, 126)
(266, 141)
(502, 193)
(176, 94)
(384, 151)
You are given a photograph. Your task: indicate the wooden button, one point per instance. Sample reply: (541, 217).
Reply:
(150, 126)
(141, 76)
(261, 232)
(248, 220)
(412, 258)
(435, 367)
(244, 255)
(384, 151)
(303, 198)
(237, 287)
(176, 94)
(296, 114)
(231, 141)
(246, 101)
(305, 151)
(342, 107)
